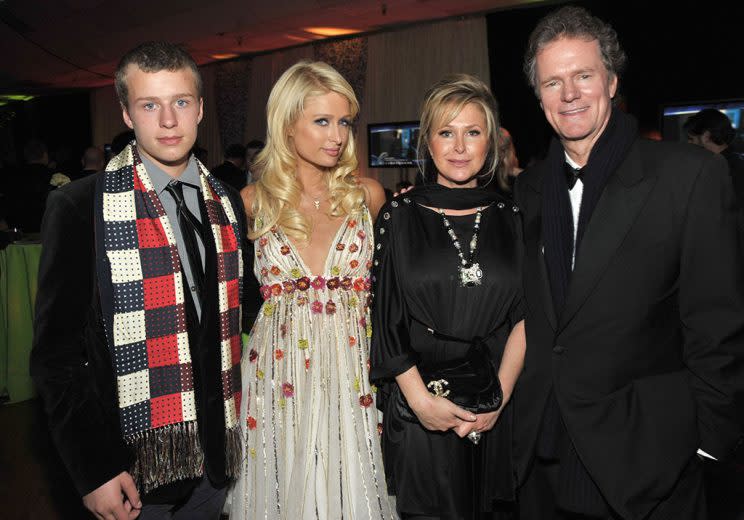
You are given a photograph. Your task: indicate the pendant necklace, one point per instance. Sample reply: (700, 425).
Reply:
(470, 272)
(316, 203)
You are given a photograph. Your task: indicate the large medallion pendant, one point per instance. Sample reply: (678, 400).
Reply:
(470, 275)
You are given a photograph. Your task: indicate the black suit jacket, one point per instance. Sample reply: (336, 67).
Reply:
(70, 361)
(646, 357)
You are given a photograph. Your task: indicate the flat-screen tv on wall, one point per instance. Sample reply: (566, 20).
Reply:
(392, 145)
(673, 116)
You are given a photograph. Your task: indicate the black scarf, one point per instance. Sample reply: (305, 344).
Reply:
(438, 196)
(557, 220)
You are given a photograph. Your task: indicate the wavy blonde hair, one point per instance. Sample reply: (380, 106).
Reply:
(278, 191)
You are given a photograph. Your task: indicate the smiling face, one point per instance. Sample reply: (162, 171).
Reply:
(164, 110)
(320, 133)
(459, 148)
(576, 91)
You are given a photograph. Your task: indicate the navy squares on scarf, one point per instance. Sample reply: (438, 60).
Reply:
(145, 206)
(235, 383)
(120, 235)
(165, 380)
(216, 213)
(156, 261)
(160, 321)
(230, 263)
(231, 380)
(135, 418)
(187, 377)
(121, 182)
(130, 358)
(229, 320)
(128, 297)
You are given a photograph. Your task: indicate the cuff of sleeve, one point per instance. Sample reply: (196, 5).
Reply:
(393, 367)
(706, 455)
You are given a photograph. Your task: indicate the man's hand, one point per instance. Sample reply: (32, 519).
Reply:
(117, 499)
(404, 190)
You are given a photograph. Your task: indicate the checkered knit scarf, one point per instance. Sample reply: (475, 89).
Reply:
(146, 323)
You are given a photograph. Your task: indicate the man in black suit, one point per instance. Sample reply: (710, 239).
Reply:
(137, 328)
(231, 171)
(712, 129)
(633, 284)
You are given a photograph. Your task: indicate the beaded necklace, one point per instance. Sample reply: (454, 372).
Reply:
(470, 272)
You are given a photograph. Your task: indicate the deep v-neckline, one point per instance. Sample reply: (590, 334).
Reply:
(298, 256)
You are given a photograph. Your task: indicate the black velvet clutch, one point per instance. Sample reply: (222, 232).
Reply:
(471, 382)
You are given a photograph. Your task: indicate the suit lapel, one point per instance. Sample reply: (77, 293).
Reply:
(617, 209)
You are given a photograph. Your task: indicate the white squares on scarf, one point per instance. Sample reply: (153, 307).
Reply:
(134, 388)
(178, 284)
(129, 327)
(231, 413)
(184, 356)
(125, 265)
(188, 406)
(226, 355)
(119, 207)
(168, 228)
(222, 295)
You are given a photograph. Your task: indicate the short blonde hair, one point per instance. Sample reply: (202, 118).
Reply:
(278, 191)
(443, 102)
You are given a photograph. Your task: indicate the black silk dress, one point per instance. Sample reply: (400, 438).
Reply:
(417, 286)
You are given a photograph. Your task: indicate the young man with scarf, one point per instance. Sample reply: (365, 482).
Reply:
(138, 321)
(633, 284)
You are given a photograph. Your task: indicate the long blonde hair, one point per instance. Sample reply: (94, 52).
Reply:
(278, 191)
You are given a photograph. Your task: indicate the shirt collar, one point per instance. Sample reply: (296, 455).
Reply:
(160, 179)
(571, 162)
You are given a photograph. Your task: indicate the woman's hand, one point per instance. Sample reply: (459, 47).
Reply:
(483, 423)
(440, 414)
(486, 421)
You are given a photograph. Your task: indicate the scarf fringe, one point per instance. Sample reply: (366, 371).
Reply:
(173, 453)
(165, 455)
(233, 452)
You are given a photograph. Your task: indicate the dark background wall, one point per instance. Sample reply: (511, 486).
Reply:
(61, 121)
(677, 52)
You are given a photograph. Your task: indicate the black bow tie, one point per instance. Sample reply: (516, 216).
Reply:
(572, 175)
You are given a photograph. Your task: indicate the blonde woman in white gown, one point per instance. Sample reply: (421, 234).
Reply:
(311, 447)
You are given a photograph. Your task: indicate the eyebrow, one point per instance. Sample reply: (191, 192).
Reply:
(346, 116)
(156, 98)
(466, 126)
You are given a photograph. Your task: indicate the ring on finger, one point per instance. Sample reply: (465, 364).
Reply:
(474, 436)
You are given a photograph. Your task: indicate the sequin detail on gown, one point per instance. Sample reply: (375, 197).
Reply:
(312, 448)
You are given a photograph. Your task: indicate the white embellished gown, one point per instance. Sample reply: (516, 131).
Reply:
(312, 448)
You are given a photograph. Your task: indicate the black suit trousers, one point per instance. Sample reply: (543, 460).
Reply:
(537, 497)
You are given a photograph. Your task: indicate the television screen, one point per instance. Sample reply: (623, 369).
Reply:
(674, 116)
(392, 145)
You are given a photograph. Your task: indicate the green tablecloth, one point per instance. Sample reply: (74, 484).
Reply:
(19, 267)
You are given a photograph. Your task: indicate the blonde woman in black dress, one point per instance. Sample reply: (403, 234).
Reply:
(447, 271)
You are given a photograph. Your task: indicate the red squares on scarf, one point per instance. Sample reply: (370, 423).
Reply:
(235, 349)
(137, 182)
(160, 291)
(229, 244)
(238, 399)
(233, 294)
(162, 351)
(166, 409)
(151, 233)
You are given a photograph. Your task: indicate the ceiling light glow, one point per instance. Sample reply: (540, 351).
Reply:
(330, 31)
